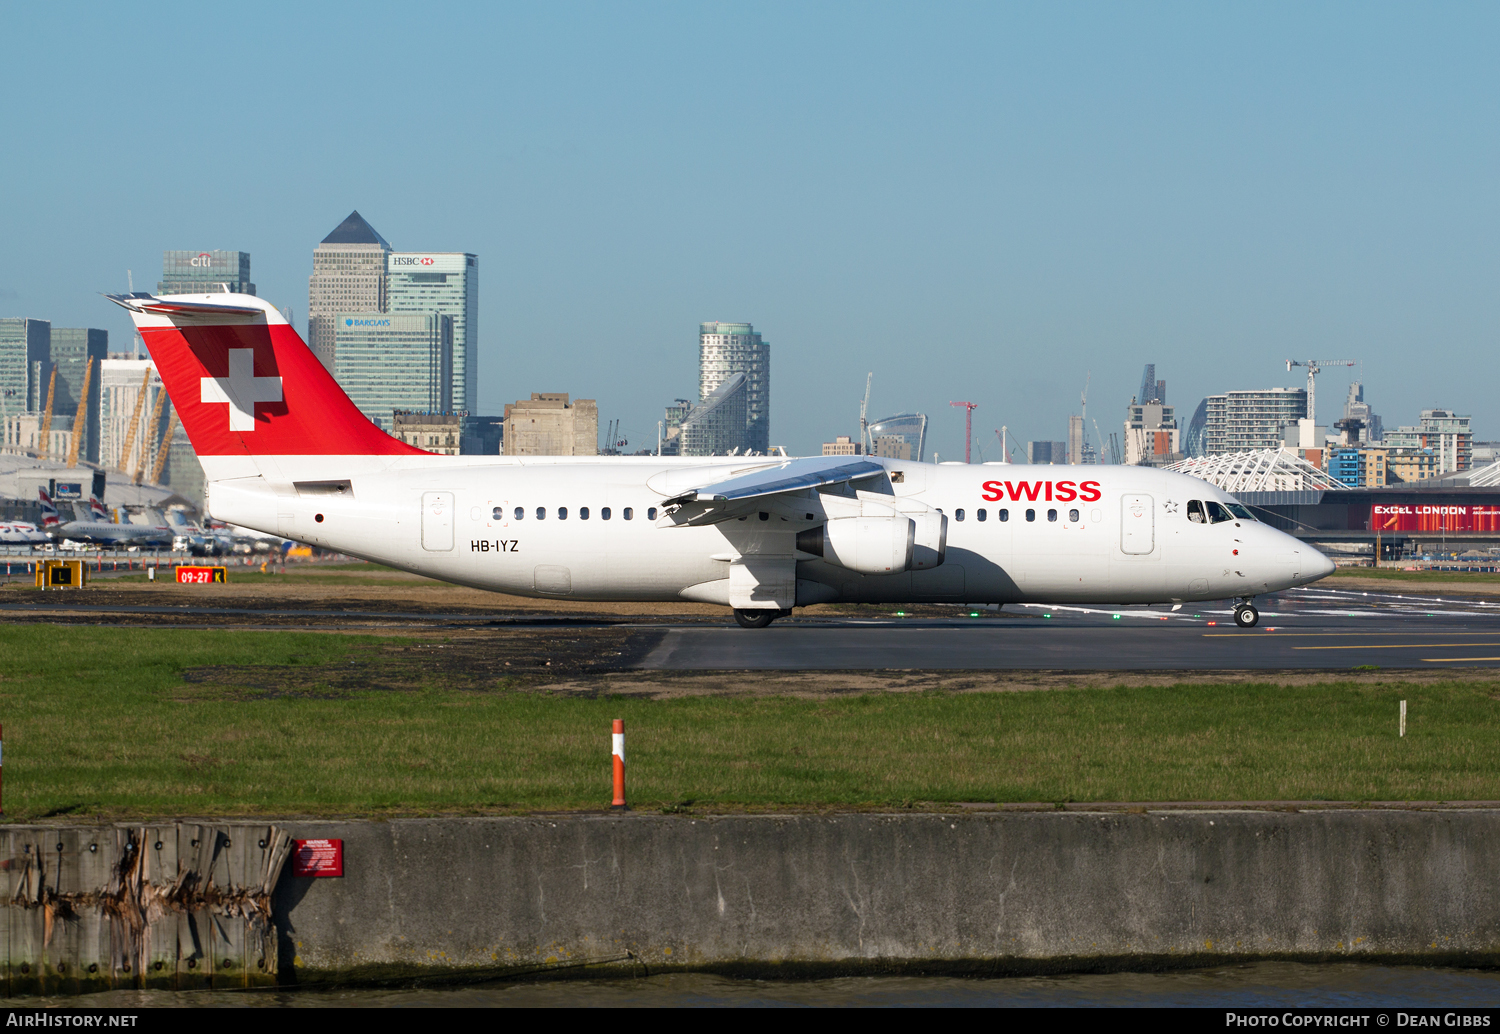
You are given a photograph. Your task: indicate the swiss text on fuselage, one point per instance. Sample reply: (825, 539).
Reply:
(1031, 491)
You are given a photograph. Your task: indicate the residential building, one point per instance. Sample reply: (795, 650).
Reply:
(440, 433)
(1406, 464)
(726, 349)
(24, 344)
(719, 425)
(548, 424)
(205, 272)
(890, 447)
(445, 282)
(387, 362)
(1446, 433)
(349, 275)
(1245, 421)
(1152, 437)
(909, 428)
(843, 445)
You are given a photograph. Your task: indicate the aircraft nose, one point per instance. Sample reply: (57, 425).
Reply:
(1324, 566)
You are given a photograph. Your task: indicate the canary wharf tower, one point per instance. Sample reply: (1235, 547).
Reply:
(349, 275)
(725, 349)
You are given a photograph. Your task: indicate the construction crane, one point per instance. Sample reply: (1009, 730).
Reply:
(161, 399)
(1086, 450)
(969, 408)
(81, 421)
(166, 446)
(1313, 366)
(1114, 448)
(1101, 440)
(135, 420)
(1004, 449)
(46, 433)
(864, 408)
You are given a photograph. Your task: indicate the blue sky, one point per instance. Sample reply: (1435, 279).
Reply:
(976, 202)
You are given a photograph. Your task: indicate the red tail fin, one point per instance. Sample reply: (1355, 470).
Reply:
(244, 383)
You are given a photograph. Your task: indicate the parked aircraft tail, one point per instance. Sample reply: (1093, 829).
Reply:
(96, 508)
(50, 516)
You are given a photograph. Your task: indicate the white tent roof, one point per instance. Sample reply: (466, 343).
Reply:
(1263, 470)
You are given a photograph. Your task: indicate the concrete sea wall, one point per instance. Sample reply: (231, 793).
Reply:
(984, 892)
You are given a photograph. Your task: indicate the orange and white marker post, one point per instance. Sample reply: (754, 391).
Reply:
(619, 764)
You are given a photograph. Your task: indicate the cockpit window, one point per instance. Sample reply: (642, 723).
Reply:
(1195, 512)
(1217, 513)
(1240, 512)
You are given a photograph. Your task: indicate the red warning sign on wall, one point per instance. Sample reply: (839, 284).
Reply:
(318, 858)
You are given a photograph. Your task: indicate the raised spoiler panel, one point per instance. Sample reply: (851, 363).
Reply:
(245, 383)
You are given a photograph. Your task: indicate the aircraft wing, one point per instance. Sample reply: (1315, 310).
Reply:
(720, 498)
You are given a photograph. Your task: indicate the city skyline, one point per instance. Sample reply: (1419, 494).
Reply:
(1050, 194)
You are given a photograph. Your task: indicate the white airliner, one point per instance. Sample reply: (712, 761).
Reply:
(284, 451)
(21, 533)
(100, 531)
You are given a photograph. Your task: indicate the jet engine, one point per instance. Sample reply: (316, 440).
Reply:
(869, 545)
(931, 540)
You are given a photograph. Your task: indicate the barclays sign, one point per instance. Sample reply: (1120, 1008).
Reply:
(366, 323)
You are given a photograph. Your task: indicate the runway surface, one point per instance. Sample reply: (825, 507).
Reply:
(1310, 628)
(1304, 628)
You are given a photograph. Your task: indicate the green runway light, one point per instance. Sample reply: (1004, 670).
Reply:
(973, 613)
(1117, 617)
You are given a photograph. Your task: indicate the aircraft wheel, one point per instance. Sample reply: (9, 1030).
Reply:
(756, 618)
(1246, 616)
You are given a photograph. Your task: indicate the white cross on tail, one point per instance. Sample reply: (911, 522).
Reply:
(241, 389)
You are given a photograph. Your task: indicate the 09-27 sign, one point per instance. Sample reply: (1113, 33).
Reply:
(202, 575)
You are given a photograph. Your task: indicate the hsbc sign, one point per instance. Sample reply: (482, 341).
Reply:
(431, 262)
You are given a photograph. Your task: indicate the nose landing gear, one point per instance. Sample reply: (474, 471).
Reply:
(1245, 615)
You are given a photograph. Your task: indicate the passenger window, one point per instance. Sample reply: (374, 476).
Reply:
(604, 513)
(627, 513)
(497, 514)
(583, 513)
(1031, 515)
(1052, 515)
(1073, 516)
(980, 515)
(958, 515)
(541, 513)
(520, 512)
(562, 513)
(1005, 515)
(1195, 512)
(1218, 514)
(651, 513)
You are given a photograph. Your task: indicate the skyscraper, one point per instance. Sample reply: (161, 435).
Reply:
(446, 283)
(725, 349)
(349, 275)
(72, 349)
(205, 272)
(910, 428)
(720, 423)
(387, 362)
(22, 343)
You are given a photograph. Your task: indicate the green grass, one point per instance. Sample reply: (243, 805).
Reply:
(101, 722)
(1389, 575)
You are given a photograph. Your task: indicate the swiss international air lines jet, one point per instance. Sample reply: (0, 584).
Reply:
(285, 452)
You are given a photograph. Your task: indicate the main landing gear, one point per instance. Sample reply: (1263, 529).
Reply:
(759, 618)
(1245, 615)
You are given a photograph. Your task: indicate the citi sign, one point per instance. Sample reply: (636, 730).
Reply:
(1061, 491)
(412, 260)
(367, 323)
(202, 259)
